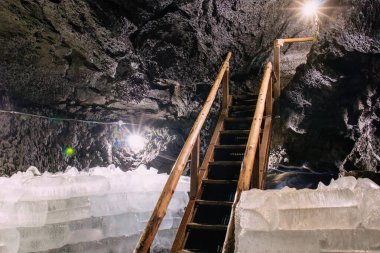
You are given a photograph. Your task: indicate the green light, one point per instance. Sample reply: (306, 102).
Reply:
(69, 151)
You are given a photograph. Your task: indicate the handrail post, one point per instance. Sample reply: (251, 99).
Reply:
(269, 99)
(226, 86)
(194, 168)
(277, 61)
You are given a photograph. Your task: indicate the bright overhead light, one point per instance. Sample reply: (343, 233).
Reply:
(310, 8)
(136, 142)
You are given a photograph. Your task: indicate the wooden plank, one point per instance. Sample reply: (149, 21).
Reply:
(235, 132)
(264, 150)
(214, 181)
(230, 146)
(226, 163)
(213, 203)
(206, 226)
(226, 87)
(194, 168)
(293, 40)
(160, 209)
(277, 72)
(239, 119)
(269, 99)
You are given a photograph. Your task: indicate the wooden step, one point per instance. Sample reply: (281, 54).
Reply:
(230, 147)
(235, 132)
(226, 163)
(241, 111)
(237, 137)
(224, 170)
(238, 123)
(244, 100)
(205, 240)
(215, 181)
(213, 203)
(206, 227)
(247, 94)
(229, 152)
(218, 192)
(212, 214)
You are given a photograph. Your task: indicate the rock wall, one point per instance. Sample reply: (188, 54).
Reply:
(331, 109)
(112, 60)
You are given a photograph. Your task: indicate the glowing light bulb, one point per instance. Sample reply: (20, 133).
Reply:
(310, 8)
(69, 151)
(136, 142)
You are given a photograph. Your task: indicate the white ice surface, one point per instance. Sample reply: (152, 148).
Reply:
(341, 217)
(47, 212)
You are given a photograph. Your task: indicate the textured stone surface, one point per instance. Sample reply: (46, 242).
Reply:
(331, 109)
(153, 62)
(122, 60)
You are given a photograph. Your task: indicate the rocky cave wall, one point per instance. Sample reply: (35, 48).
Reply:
(137, 61)
(330, 112)
(151, 63)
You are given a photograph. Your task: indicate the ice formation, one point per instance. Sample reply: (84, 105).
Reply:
(103, 210)
(341, 217)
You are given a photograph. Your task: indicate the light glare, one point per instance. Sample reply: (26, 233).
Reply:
(310, 8)
(136, 142)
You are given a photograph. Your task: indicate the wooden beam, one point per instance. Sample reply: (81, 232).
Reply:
(264, 150)
(194, 168)
(160, 209)
(269, 99)
(293, 40)
(277, 72)
(226, 87)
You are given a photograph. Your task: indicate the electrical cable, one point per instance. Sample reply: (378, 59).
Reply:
(119, 123)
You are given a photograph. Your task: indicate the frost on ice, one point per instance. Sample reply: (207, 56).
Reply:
(341, 217)
(103, 210)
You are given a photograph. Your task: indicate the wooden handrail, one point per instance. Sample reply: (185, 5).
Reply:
(160, 209)
(277, 60)
(264, 103)
(254, 135)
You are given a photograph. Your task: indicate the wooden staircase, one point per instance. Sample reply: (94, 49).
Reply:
(235, 161)
(204, 226)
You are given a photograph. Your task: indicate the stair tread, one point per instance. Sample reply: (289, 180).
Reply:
(235, 131)
(248, 107)
(239, 119)
(216, 181)
(213, 203)
(206, 227)
(230, 146)
(245, 95)
(191, 251)
(225, 163)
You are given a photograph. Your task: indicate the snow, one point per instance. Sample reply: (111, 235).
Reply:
(341, 217)
(84, 211)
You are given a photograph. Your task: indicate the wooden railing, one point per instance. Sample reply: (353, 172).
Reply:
(263, 112)
(191, 147)
(255, 163)
(277, 60)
